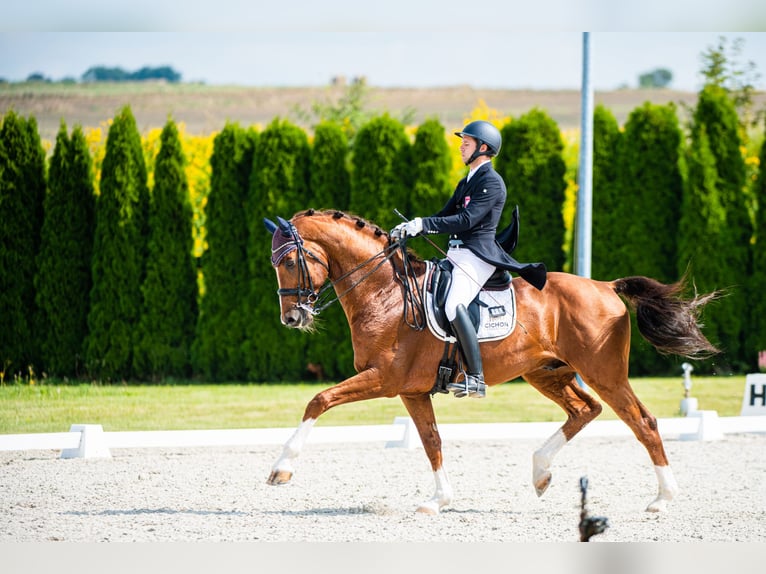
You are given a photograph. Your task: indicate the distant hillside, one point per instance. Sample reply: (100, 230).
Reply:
(205, 109)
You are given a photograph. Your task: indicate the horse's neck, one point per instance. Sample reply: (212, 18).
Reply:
(363, 279)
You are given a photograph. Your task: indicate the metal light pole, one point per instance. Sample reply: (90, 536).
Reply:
(584, 222)
(585, 179)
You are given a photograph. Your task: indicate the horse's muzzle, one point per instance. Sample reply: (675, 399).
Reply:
(297, 318)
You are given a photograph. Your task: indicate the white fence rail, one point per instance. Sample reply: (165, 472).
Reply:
(89, 440)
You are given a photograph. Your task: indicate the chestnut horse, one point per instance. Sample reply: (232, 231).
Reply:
(573, 325)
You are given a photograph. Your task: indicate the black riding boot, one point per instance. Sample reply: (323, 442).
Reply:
(473, 385)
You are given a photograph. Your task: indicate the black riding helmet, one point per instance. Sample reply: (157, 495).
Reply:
(484, 133)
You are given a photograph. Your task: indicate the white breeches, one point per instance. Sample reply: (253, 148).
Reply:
(468, 277)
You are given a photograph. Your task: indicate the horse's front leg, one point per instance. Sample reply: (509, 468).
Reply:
(422, 412)
(365, 385)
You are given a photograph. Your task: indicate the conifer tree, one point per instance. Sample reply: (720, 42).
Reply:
(166, 327)
(22, 190)
(64, 276)
(380, 175)
(702, 221)
(651, 185)
(217, 351)
(608, 227)
(756, 332)
(431, 164)
(532, 166)
(119, 252)
(716, 112)
(330, 346)
(279, 186)
(330, 180)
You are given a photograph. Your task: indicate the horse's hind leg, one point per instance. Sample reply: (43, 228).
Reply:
(421, 410)
(365, 385)
(626, 405)
(581, 408)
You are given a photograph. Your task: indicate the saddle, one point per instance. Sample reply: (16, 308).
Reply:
(492, 311)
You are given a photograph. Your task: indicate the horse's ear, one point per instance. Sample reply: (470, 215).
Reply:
(271, 227)
(284, 225)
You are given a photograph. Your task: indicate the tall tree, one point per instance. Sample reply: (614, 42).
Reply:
(64, 262)
(608, 229)
(431, 171)
(329, 351)
(652, 188)
(119, 252)
(531, 163)
(330, 180)
(166, 327)
(222, 330)
(756, 331)
(380, 175)
(702, 221)
(22, 191)
(652, 174)
(716, 112)
(279, 186)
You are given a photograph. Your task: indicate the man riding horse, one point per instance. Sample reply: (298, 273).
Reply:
(471, 217)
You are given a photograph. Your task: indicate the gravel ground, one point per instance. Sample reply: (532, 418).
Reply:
(363, 492)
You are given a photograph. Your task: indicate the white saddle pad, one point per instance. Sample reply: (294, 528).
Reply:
(497, 315)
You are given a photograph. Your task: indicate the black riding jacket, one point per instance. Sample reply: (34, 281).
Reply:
(472, 215)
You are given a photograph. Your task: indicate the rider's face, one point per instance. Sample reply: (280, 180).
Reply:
(467, 147)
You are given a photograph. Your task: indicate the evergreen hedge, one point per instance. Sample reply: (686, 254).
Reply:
(381, 173)
(608, 227)
(279, 186)
(641, 176)
(166, 328)
(431, 187)
(330, 347)
(119, 253)
(22, 191)
(64, 262)
(221, 332)
(532, 165)
(756, 339)
(730, 250)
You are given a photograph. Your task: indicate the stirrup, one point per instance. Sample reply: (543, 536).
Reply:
(470, 386)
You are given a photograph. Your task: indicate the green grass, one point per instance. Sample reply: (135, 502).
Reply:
(52, 407)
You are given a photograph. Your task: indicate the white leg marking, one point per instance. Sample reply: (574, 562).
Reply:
(442, 496)
(293, 447)
(667, 491)
(542, 459)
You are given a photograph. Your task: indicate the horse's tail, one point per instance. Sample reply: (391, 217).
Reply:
(666, 318)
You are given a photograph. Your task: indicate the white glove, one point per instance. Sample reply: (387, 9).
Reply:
(396, 232)
(413, 227)
(409, 229)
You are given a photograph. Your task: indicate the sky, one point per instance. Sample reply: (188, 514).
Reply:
(396, 44)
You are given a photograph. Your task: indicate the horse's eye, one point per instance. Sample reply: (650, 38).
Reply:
(289, 263)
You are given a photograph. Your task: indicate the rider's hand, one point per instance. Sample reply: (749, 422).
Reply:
(409, 229)
(397, 232)
(414, 227)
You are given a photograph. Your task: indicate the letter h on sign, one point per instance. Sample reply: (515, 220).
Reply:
(754, 398)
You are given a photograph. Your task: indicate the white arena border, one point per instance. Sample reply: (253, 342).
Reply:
(89, 440)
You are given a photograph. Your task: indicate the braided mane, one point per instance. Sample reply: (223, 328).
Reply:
(361, 223)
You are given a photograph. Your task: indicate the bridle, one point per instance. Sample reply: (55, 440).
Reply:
(287, 239)
(285, 242)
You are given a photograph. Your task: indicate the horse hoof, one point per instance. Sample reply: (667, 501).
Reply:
(542, 483)
(659, 505)
(279, 477)
(431, 508)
